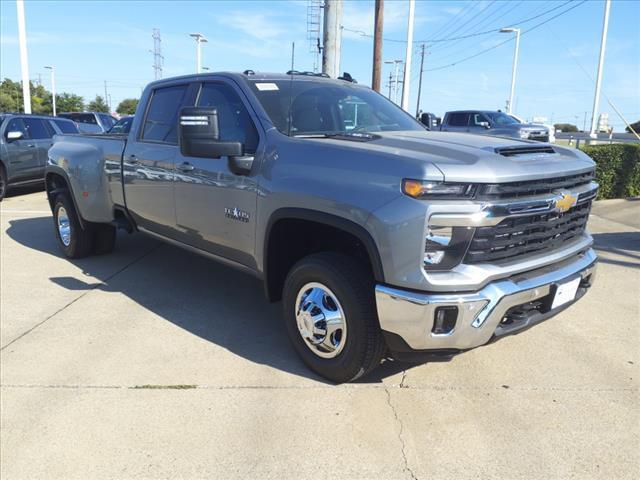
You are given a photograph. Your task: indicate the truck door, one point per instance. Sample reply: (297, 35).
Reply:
(215, 208)
(41, 133)
(23, 159)
(478, 124)
(150, 158)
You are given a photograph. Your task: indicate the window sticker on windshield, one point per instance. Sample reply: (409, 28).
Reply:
(266, 86)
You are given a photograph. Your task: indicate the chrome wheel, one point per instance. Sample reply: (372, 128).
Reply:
(321, 320)
(64, 227)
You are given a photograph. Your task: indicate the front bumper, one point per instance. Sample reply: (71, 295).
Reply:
(493, 311)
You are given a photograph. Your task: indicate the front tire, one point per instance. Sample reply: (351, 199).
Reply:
(330, 315)
(74, 241)
(3, 182)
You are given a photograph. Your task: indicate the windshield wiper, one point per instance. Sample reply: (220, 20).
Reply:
(355, 136)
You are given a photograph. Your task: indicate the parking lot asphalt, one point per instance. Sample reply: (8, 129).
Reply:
(154, 363)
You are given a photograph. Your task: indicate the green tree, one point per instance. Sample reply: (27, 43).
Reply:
(98, 105)
(69, 102)
(127, 106)
(566, 127)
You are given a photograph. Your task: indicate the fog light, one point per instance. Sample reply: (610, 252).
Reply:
(444, 320)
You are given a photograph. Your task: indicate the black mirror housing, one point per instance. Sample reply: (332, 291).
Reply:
(199, 135)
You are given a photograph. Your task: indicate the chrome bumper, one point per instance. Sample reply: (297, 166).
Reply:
(410, 315)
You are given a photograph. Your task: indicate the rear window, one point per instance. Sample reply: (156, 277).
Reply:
(458, 119)
(66, 127)
(161, 123)
(80, 117)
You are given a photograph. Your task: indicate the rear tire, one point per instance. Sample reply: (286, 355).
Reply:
(104, 238)
(3, 182)
(332, 285)
(75, 242)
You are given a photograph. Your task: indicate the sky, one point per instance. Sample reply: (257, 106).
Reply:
(93, 41)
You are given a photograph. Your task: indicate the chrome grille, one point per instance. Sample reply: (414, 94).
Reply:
(526, 235)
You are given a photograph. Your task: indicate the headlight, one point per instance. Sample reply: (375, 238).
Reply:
(426, 189)
(524, 134)
(445, 246)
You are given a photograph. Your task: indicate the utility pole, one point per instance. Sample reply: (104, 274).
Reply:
(200, 39)
(584, 122)
(515, 65)
(377, 44)
(24, 60)
(390, 77)
(158, 59)
(395, 79)
(420, 81)
(106, 95)
(332, 21)
(293, 54)
(53, 86)
(603, 44)
(407, 64)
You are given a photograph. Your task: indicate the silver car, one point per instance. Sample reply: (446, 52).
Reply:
(499, 124)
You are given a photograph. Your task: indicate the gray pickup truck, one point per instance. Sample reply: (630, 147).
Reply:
(379, 237)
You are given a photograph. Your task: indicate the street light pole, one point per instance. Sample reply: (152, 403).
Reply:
(515, 65)
(53, 86)
(24, 61)
(603, 44)
(406, 80)
(200, 39)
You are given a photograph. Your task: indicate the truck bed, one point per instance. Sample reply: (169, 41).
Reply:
(92, 164)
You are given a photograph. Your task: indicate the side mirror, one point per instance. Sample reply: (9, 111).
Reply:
(14, 135)
(485, 125)
(199, 135)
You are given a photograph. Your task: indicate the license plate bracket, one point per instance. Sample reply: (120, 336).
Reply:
(565, 292)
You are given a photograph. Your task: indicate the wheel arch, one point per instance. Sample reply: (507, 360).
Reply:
(341, 229)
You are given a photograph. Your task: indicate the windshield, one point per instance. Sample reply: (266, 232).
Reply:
(500, 118)
(304, 107)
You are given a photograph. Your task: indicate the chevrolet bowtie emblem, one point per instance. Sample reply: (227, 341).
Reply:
(566, 202)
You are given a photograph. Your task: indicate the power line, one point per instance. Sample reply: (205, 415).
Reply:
(506, 41)
(461, 37)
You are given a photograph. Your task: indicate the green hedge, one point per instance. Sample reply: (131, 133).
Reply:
(617, 169)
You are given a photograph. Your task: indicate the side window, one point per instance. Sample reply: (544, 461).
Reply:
(477, 119)
(16, 125)
(161, 123)
(458, 119)
(36, 128)
(234, 121)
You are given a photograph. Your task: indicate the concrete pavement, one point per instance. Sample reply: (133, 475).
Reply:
(154, 363)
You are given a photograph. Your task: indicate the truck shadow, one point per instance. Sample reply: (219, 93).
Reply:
(207, 299)
(618, 248)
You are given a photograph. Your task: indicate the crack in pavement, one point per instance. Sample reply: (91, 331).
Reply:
(93, 287)
(402, 443)
(319, 387)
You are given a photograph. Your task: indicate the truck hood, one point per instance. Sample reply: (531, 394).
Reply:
(463, 157)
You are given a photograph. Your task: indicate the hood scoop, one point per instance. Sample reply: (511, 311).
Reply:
(526, 150)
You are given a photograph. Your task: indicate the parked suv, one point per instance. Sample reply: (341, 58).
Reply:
(24, 141)
(91, 122)
(499, 124)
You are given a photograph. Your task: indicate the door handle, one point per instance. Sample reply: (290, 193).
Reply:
(133, 160)
(31, 145)
(185, 167)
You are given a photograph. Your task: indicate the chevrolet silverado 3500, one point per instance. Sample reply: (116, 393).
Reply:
(379, 237)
